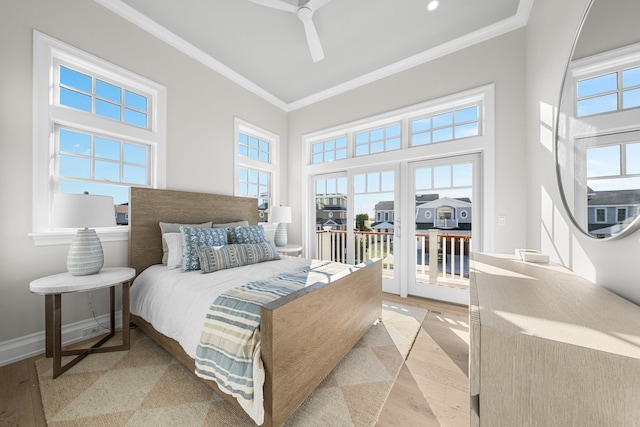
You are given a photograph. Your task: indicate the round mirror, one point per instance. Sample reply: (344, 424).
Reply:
(598, 124)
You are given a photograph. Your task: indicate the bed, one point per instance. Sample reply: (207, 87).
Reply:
(304, 334)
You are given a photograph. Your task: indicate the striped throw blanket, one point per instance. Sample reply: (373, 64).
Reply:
(229, 348)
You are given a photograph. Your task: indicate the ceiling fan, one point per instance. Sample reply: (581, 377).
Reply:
(305, 13)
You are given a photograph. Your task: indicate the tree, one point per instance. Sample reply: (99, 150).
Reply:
(361, 220)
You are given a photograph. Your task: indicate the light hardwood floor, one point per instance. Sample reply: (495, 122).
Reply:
(431, 389)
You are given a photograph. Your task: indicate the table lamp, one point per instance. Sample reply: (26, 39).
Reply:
(83, 211)
(282, 216)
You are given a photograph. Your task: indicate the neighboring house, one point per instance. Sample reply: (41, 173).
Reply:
(331, 212)
(444, 213)
(423, 198)
(431, 212)
(384, 217)
(122, 214)
(263, 212)
(608, 211)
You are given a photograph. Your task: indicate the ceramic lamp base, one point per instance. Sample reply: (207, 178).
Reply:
(85, 254)
(280, 238)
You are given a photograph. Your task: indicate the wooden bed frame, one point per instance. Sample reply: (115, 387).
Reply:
(304, 334)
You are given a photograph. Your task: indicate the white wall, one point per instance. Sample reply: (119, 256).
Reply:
(525, 65)
(499, 61)
(201, 107)
(612, 264)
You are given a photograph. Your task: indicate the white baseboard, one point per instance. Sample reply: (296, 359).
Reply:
(31, 345)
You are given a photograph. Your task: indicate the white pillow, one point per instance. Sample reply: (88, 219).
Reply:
(174, 249)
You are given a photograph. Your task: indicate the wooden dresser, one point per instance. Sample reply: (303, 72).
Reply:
(549, 348)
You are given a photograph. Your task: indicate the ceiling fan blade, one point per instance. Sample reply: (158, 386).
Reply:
(276, 4)
(316, 4)
(317, 54)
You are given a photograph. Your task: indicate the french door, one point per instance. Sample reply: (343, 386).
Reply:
(356, 215)
(444, 197)
(359, 213)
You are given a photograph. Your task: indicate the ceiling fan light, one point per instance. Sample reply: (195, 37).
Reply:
(433, 5)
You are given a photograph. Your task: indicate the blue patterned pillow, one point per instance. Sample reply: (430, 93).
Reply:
(235, 255)
(192, 237)
(248, 234)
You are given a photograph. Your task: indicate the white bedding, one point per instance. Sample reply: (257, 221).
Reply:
(176, 302)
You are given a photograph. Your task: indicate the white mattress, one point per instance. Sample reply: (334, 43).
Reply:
(176, 302)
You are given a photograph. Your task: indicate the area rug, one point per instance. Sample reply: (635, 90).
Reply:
(146, 386)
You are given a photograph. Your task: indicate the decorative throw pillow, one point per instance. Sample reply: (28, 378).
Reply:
(235, 255)
(174, 249)
(192, 237)
(229, 225)
(248, 234)
(171, 227)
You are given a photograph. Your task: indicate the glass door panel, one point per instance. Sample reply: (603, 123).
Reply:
(331, 217)
(376, 216)
(356, 215)
(443, 198)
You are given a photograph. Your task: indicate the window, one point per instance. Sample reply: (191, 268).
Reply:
(472, 109)
(256, 165)
(99, 164)
(413, 127)
(377, 140)
(601, 215)
(447, 126)
(88, 93)
(329, 150)
(613, 161)
(607, 83)
(254, 148)
(99, 128)
(621, 214)
(608, 92)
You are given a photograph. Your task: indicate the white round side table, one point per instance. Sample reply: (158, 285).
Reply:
(52, 287)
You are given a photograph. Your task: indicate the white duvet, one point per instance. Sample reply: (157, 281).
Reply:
(176, 302)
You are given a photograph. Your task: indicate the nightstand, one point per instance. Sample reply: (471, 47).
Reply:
(290, 250)
(52, 287)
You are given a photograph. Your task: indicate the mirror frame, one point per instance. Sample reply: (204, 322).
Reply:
(635, 224)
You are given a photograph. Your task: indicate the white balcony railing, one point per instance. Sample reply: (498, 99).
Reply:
(448, 265)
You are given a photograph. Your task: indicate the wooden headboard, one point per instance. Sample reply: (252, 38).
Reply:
(148, 207)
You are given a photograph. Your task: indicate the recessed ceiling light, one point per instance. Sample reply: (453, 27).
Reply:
(433, 5)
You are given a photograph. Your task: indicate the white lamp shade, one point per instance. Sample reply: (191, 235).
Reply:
(281, 214)
(83, 211)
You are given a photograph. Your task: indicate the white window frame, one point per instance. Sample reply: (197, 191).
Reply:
(383, 128)
(454, 124)
(48, 113)
(613, 61)
(595, 215)
(272, 167)
(333, 151)
(483, 96)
